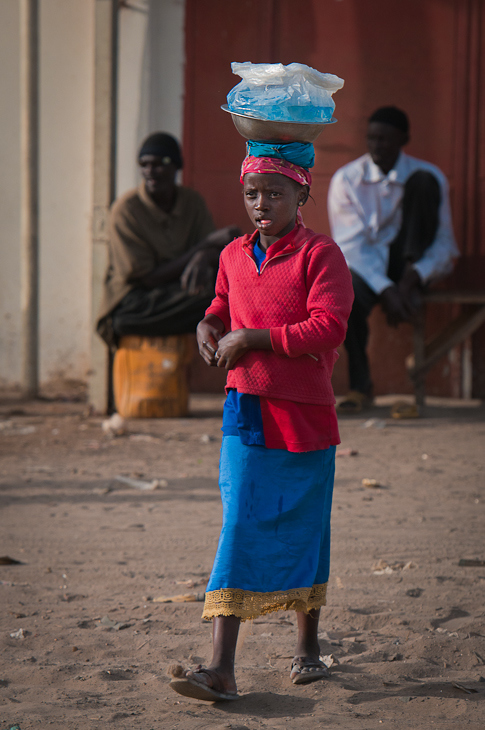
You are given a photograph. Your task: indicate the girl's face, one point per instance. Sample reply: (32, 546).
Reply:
(272, 202)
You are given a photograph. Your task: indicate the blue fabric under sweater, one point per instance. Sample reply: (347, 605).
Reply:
(242, 417)
(242, 411)
(258, 254)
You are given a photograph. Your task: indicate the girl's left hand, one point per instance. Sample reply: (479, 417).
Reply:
(235, 344)
(230, 348)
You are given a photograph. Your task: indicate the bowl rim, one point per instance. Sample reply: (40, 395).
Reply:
(225, 108)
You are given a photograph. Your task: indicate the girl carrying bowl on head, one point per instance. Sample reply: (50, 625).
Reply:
(283, 297)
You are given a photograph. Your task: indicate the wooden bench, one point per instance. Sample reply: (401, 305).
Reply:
(427, 353)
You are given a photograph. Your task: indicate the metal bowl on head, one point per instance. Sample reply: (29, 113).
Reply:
(269, 130)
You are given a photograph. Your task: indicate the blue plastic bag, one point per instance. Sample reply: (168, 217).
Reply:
(293, 93)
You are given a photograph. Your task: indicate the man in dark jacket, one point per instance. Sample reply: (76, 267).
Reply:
(163, 250)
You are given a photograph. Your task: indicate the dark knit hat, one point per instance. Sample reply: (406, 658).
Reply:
(165, 146)
(393, 116)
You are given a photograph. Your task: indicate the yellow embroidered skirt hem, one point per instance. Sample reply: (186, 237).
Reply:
(249, 604)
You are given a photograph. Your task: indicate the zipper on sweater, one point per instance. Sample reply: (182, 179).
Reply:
(254, 262)
(278, 256)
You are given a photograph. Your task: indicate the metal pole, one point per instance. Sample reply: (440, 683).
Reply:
(29, 195)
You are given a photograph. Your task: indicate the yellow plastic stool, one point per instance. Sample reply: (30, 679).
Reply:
(150, 378)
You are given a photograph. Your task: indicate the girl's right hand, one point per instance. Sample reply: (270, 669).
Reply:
(209, 332)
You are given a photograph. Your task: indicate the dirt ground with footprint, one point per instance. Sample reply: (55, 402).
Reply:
(85, 644)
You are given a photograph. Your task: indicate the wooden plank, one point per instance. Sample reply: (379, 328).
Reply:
(455, 297)
(458, 330)
(419, 356)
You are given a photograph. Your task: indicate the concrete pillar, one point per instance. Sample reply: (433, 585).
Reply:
(29, 213)
(106, 12)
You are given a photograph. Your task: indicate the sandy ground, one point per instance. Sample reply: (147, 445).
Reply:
(83, 643)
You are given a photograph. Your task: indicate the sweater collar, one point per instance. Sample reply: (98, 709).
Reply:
(287, 244)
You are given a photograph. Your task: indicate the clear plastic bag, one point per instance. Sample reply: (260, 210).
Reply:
(293, 93)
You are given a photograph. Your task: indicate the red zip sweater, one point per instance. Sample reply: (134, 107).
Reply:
(303, 295)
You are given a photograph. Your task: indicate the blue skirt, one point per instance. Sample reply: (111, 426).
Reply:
(274, 547)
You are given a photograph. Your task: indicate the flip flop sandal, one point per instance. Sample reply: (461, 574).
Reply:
(304, 670)
(354, 402)
(190, 687)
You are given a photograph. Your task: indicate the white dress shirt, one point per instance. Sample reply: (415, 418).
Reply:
(364, 207)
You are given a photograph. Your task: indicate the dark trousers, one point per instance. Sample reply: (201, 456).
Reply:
(159, 312)
(420, 211)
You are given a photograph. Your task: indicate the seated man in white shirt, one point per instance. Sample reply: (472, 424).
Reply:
(390, 215)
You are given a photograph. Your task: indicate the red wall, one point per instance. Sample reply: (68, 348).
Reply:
(422, 55)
